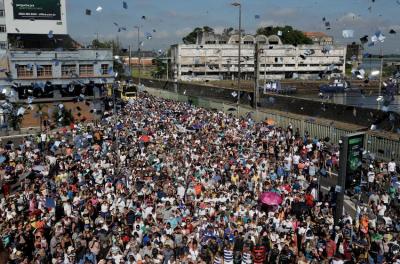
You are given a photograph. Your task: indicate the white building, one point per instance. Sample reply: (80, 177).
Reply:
(31, 17)
(215, 57)
(3, 27)
(39, 52)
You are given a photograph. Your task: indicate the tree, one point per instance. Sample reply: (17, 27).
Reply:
(116, 48)
(289, 35)
(227, 31)
(161, 68)
(109, 44)
(192, 36)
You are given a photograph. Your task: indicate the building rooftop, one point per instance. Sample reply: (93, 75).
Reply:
(315, 34)
(43, 42)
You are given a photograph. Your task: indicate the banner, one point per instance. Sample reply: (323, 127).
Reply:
(37, 9)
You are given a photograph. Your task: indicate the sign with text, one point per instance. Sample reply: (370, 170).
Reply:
(350, 164)
(355, 145)
(37, 9)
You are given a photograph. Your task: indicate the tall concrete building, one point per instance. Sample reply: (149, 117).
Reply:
(40, 51)
(41, 63)
(3, 27)
(31, 17)
(319, 38)
(215, 57)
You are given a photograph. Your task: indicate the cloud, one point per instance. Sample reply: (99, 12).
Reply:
(173, 14)
(395, 27)
(284, 12)
(218, 29)
(269, 23)
(161, 34)
(183, 31)
(350, 18)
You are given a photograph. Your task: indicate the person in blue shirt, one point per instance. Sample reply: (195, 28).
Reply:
(273, 176)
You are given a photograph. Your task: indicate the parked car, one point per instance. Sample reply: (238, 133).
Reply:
(338, 86)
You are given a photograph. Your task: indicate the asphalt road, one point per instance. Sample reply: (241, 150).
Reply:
(325, 185)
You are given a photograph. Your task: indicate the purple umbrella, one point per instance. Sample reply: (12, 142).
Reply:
(270, 198)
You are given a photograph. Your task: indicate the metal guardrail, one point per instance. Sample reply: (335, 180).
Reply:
(384, 146)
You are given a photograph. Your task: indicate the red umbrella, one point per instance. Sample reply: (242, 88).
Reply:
(270, 198)
(144, 138)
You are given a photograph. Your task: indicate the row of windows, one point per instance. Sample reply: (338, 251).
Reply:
(261, 65)
(85, 70)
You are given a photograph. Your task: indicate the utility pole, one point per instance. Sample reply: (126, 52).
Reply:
(256, 74)
(236, 4)
(265, 68)
(380, 72)
(129, 61)
(167, 68)
(138, 50)
(341, 181)
(205, 63)
(115, 98)
(239, 57)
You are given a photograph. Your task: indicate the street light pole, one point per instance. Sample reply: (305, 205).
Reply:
(257, 52)
(167, 68)
(129, 61)
(380, 72)
(138, 50)
(236, 4)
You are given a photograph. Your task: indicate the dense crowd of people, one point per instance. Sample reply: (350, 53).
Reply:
(167, 182)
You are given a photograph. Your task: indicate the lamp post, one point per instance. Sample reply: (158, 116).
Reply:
(380, 72)
(237, 4)
(138, 51)
(129, 62)
(257, 52)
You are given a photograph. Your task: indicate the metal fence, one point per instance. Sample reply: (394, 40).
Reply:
(357, 115)
(384, 147)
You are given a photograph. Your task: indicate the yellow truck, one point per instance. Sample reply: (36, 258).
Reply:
(129, 91)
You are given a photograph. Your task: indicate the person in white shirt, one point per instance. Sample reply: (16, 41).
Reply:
(371, 176)
(392, 167)
(181, 191)
(381, 209)
(385, 198)
(296, 160)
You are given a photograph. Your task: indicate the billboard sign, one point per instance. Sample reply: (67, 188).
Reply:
(350, 164)
(37, 9)
(354, 156)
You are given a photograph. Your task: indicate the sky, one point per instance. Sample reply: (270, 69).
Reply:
(173, 19)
